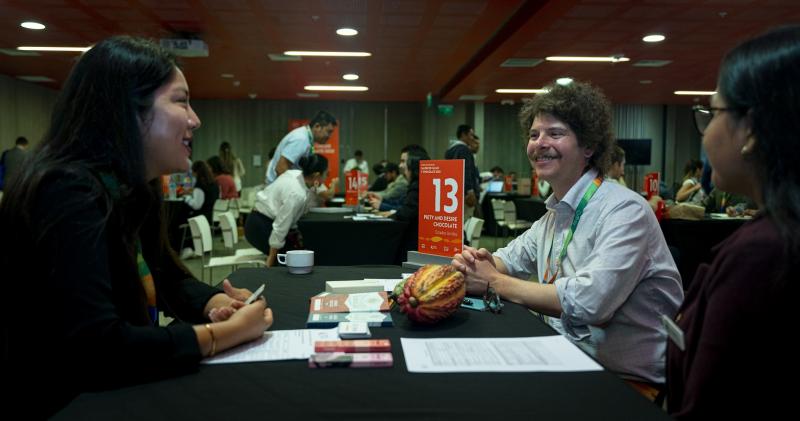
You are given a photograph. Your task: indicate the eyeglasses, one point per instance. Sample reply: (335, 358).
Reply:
(703, 115)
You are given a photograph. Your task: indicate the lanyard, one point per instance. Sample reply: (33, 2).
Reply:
(578, 212)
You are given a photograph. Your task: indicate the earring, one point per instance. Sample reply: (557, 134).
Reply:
(745, 150)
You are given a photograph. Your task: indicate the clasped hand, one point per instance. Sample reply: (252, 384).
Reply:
(478, 268)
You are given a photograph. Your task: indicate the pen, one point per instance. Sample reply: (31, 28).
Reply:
(255, 295)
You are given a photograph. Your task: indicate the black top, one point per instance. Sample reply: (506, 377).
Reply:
(83, 322)
(290, 390)
(409, 212)
(210, 194)
(379, 184)
(737, 327)
(471, 176)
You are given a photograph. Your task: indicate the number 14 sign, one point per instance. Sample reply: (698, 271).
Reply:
(441, 209)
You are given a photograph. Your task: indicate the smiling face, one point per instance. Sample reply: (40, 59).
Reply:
(554, 152)
(167, 129)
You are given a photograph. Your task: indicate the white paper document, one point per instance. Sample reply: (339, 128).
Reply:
(276, 345)
(462, 355)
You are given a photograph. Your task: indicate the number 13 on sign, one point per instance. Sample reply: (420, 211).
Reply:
(452, 195)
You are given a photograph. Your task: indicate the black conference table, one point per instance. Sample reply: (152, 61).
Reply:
(340, 241)
(291, 390)
(695, 239)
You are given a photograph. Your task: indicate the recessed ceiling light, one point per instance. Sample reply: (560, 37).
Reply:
(695, 92)
(32, 25)
(346, 32)
(74, 49)
(328, 53)
(646, 82)
(226, 75)
(350, 76)
(611, 59)
(564, 81)
(336, 88)
(252, 95)
(520, 91)
(236, 83)
(654, 38)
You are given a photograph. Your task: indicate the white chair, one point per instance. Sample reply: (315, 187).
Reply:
(498, 210)
(510, 218)
(230, 237)
(201, 237)
(473, 229)
(247, 200)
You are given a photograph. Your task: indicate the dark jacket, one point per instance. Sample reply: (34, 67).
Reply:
(410, 212)
(73, 279)
(738, 322)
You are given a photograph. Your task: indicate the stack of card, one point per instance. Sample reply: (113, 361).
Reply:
(352, 353)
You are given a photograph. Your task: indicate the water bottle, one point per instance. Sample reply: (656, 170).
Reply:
(173, 188)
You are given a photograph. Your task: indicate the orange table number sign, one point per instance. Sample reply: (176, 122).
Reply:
(355, 187)
(651, 184)
(441, 211)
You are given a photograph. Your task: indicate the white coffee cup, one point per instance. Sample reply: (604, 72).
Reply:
(298, 261)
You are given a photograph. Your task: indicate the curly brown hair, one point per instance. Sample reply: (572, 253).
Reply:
(587, 112)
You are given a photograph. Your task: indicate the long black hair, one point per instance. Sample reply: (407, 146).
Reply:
(759, 81)
(95, 134)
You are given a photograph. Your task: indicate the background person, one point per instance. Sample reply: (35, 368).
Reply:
(100, 256)
(299, 143)
(222, 174)
(280, 205)
(691, 190)
(233, 163)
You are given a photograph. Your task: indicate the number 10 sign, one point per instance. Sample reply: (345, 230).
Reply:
(441, 209)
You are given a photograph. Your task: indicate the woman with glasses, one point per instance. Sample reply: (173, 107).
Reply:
(729, 342)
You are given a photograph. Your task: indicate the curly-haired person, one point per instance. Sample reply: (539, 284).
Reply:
(605, 274)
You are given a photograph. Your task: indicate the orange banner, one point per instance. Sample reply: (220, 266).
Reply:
(355, 186)
(329, 150)
(441, 207)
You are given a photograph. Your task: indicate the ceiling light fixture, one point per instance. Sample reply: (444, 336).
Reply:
(654, 38)
(71, 49)
(346, 32)
(32, 25)
(564, 81)
(328, 53)
(336, 88)
(226, 75)
(611, 59)
(350, 76)
(695, 92)
(520, 91)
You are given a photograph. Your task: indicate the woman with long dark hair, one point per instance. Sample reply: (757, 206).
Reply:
(233, 163)
(730, 351)
(84, 236)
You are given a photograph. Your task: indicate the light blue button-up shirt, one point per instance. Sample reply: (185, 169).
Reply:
(615, 282)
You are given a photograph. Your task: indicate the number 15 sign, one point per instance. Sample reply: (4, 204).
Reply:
(441, 209)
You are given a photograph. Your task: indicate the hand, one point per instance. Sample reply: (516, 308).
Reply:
(375, 202)
(252, 320)
(222, 306)
(478, 268)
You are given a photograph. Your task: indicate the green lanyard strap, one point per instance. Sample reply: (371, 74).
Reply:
(590, 191)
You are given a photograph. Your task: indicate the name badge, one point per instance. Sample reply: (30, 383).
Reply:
(674, 332)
